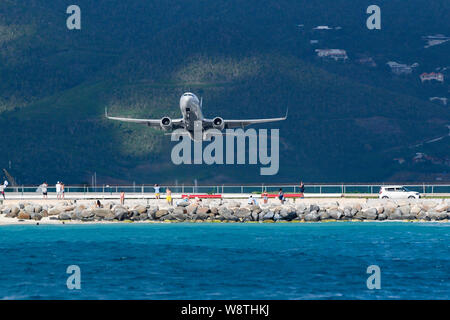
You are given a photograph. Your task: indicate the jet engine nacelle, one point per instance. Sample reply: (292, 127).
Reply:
(166, 124)
(218, 123)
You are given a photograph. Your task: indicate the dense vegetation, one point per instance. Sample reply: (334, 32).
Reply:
(347, 121)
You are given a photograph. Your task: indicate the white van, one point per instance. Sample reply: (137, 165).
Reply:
(397, 192)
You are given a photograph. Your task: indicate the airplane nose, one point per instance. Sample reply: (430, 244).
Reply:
(185, 101)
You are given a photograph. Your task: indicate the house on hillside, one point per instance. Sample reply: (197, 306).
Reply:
(432, 76)
(322, 28)
(336, 54)
(443, 100)
(399, 68)
(367, 61)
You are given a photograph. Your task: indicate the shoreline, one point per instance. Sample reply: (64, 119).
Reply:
(50, 212)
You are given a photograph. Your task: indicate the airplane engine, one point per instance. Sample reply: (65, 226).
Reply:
(166, 124)
(218, 123)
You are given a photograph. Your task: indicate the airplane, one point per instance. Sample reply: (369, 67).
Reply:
(191, 110)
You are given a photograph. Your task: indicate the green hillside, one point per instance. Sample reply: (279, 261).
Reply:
(347, 122)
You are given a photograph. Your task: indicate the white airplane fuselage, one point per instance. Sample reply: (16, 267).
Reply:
(191, 110)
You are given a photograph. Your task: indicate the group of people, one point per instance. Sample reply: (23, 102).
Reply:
(59, 187)
(3, 187)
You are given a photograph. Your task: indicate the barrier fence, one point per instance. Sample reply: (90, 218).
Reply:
(347, 189)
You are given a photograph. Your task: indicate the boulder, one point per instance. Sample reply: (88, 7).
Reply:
(180, 214)
(15, 210)
(415, 210)
(370, 214)
(29, 209)
(422, 215)
(37, 216)
(86, 214)
(269, 215)
(314, 207)
(441, 207)
(65, 215)
(161, 213)
(443, 215)
(324, 215)
(336, 214)
(242, 213)
(54, 211)
(405, 210)
(382, 216)
(312, 216)
(288, 214)
(140, 209)
(102, 213)
(348, 212)
(122, 215)
(24, 215)
(110, 216)
(192, 209)
(396, 215)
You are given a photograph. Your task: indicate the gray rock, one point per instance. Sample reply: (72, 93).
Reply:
(269, 215)
(382, 216)
(336, 214)
(242, 213)
(405, 210)
(323, 215)
(102, 213)
(65, 216)
(140, 209)
(54, 211)
(370, 214)
(288, 214)
(396, 215)
(423, 216)
(161, 213)
(86, 214)
(314, 207)
(191, 209)
(312, 216)
(29, 209)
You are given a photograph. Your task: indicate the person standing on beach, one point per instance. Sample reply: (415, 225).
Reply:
(62, 190)
(169, 196)
(265, 197)
(44, 190)
(2, 191)
(58, 190)
(281, 196)
(302, 189)
(157, 195)
(122, 197)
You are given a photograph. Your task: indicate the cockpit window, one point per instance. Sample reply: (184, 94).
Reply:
(188, 94)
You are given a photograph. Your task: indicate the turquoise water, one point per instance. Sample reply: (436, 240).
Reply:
(226, 261)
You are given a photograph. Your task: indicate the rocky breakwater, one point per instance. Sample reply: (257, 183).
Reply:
(236, 211)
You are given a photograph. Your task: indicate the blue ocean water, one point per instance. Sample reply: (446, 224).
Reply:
(226, 261)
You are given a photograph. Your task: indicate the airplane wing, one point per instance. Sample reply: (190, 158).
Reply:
(230, 124)
(156, 123)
